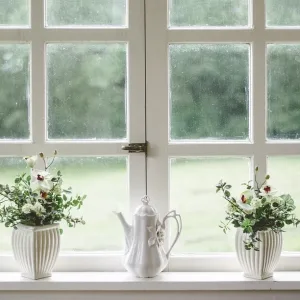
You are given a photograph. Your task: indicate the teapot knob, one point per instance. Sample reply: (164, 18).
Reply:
(146, 200)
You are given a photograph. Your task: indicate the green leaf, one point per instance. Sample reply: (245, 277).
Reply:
(61, 231)
(227, 193)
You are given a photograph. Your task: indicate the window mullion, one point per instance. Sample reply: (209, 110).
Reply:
(38, 104)
(258, 80)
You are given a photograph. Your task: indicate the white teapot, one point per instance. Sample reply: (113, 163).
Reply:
(144, 252)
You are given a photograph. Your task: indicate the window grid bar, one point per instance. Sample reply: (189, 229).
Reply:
(258, 74)
(38, 107)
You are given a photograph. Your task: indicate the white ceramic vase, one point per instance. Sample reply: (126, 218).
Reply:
(36, 249)
(259, 264)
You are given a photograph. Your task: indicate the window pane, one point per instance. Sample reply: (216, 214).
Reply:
(283, 13)
(285, 174)
(208, 12)
(209, 91)
(14, 13)
(283, 91)
(193, 195)
(86, 13)
(104, 181)
(86, 91)
(14, 86)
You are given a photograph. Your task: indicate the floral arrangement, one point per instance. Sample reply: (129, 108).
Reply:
(258, 208)
(38, 199)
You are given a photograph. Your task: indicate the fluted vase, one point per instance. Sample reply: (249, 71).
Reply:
(36, 249)
(259, 264)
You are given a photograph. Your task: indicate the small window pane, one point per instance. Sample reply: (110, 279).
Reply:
(285, 174)
(283, 13)
(14, 13)
(283, 91)
(86, 91)
(208, 12)
(193, 195)
(86, 13)
(105, 182)
(209, 91)
(15, 91)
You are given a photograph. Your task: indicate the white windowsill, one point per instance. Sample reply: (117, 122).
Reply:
(122, 281)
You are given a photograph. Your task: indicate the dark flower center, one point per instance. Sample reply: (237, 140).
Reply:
(40, 177)
(43, 194)
(244, 199)
(267, 189)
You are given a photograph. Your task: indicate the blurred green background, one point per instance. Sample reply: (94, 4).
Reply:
(209, 99)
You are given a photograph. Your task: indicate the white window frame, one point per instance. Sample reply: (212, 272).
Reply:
(158, 36)
(153, 13)
(38, 35)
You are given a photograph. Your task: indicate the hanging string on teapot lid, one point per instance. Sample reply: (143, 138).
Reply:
(146, 200)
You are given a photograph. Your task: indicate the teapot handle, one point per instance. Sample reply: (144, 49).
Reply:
(177, 217)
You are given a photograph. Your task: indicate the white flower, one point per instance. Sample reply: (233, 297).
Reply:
(31, 160)
(41, 180)
(267, 191)
(244, 200)
(38, 208)
(27, 208)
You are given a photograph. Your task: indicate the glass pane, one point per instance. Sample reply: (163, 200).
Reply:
(105, 182)
(283, 13)
(209, 91)
(193, 195)
(14, 13)
(208, 12)
(86, 91)
(15, 91)
(283, 91)
(285, 174)
(86, 13)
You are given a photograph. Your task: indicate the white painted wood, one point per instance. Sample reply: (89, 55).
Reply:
(185, 281)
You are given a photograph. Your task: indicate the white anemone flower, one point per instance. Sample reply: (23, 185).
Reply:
(41, 180)
(31, 160)
(267, 190)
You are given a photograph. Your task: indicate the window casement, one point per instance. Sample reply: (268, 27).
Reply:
(175, 78)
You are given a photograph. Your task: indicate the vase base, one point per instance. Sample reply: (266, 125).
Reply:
(36, 276)
(259, 277)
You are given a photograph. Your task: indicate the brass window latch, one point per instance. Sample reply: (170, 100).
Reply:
(136, 148)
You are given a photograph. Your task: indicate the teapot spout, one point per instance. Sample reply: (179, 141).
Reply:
(127, 230)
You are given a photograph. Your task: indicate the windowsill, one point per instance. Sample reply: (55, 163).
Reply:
(177, 281)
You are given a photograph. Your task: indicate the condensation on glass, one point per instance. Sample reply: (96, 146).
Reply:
(193, 195)
(87, 91)
(208, 13)
(209, 91)
(14, 13)
(15, 91)
(106, 13)
(285, 174)
(105, 182)
(283, 12)
(283, 91)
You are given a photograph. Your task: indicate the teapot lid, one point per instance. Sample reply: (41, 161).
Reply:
(145, 209)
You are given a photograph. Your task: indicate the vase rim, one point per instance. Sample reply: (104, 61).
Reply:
(37, 228)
